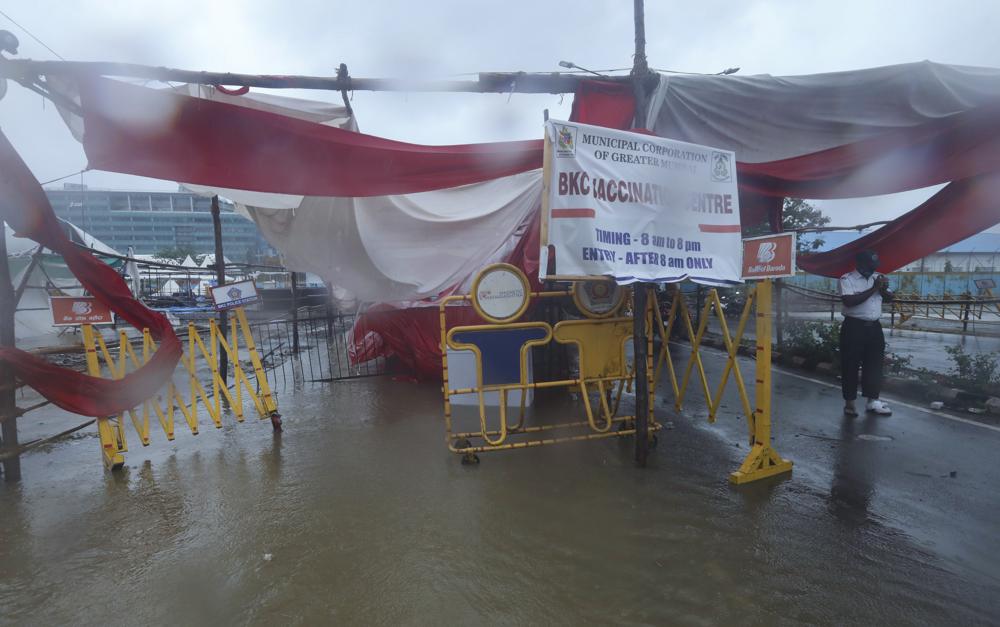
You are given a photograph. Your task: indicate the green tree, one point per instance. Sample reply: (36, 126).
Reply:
(799, 214)
(795, 214)
(178, 253)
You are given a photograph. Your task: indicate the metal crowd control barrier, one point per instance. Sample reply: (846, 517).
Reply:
(762, 461)
(501, 294)
(963, 309)
(111, 428)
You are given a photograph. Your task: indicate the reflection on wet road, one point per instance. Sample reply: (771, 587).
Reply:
(358, 515)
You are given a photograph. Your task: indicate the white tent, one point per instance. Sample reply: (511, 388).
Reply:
(42, 274)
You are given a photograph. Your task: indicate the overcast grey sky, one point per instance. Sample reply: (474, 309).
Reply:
(439, 38)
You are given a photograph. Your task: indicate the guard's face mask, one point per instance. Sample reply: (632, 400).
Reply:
(867, 264)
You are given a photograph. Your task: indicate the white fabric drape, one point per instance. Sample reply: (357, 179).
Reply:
(766, 118)
(398, 248)
(406, 247)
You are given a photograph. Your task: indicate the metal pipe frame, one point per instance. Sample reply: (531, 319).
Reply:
(498, 439)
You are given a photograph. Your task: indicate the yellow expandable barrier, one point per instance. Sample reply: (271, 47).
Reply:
(762, 461)
(111, 428)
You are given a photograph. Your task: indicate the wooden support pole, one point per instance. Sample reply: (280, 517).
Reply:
(639, 307)
(966, 306)
(8, 406)
(639, 63)
(643, 82)
(220, 278)
(27, 72)
(344, 77)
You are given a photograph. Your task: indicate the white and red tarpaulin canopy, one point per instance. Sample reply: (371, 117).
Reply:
(838, 135)
(390, 221)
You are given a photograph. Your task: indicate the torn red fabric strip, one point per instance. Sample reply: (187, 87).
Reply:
(958, 211)
(573, 213)
(25, 207)
(164, 135)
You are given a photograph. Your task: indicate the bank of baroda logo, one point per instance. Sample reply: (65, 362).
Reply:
(766, 252)
(565, 141)
(82, 308)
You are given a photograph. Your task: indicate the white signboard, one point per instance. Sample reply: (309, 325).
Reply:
(233, 295)
(638, 208)
(500, 293)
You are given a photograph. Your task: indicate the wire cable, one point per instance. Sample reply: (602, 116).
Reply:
(32, 35)
(62, 177)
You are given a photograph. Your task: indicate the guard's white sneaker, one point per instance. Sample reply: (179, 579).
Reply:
(876, 406)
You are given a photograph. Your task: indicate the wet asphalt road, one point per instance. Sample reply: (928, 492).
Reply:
(357, 514)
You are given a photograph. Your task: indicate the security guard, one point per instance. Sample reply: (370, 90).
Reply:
(862, 343)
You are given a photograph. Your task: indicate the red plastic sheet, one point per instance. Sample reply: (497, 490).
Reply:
(25, 207)
(137, 130)
(165, 135)
(170, 136)
(958, 211)
(960, 146)
(602, 103)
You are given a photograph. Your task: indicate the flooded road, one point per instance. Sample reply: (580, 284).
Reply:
(357, 514)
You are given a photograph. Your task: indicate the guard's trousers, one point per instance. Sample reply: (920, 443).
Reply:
(862, 345)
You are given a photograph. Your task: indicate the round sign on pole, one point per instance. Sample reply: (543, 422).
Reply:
(598, 298)
(500, 293)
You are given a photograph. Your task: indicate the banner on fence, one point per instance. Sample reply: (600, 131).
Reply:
(636, 207)
(233, 295)
(76, 310)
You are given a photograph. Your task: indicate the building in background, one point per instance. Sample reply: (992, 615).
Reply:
(965, 267)
(151, 222)
(979, 253)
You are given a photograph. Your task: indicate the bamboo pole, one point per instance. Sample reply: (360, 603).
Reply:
(8, 406)
(28, 71)
(643, 81)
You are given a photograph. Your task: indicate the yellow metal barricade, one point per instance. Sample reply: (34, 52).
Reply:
(603, 369)
(762, 461)
(171, 400)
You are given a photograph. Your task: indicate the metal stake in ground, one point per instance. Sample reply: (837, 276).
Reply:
(220, 278)
(8, 407)
(295, 312)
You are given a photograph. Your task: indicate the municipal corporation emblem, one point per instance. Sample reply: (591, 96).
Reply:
(565, 141)
(722, 169)
(600, 292)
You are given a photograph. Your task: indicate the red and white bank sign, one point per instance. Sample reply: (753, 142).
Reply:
(636, 207)
(75, 310)
(769, 257)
